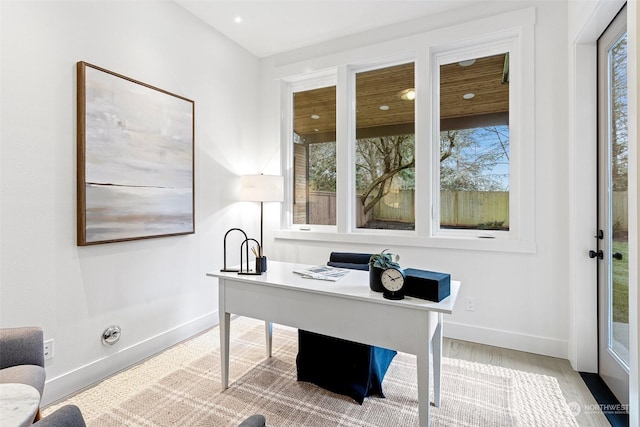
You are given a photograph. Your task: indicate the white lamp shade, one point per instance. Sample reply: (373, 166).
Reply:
(261, 188)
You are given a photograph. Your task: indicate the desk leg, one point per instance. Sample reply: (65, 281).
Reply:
(424, 375)
(437, 360)
(268, 331)
(225, 320)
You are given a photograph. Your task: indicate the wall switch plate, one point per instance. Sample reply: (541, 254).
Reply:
(470, 304)
(48, 349)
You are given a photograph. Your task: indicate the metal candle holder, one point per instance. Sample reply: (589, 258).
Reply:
(249, 272)
(244, 243)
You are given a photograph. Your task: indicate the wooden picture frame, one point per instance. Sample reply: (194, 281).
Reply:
(135, 159)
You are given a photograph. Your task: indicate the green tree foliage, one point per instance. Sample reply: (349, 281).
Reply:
(470, 159)
(322, 166)
(380, 160)
(619, 101)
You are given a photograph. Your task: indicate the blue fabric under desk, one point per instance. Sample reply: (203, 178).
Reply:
(344, 367)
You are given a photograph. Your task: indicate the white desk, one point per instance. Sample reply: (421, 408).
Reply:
(18, 404)
(345, 309)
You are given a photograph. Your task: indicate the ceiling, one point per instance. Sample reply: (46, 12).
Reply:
(270, 27)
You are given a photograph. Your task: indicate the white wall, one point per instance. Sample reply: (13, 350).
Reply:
(155, 289)
(522, 299)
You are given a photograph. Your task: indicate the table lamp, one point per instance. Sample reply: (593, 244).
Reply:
(261, 188)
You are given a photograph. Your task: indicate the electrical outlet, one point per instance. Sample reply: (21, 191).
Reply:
(470, 304)
(48, 349)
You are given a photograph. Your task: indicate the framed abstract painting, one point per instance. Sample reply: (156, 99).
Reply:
(135, 159)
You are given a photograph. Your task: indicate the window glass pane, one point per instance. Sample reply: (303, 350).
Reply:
(314, 156)
(618, 203)
(385, 165)
(474, 144)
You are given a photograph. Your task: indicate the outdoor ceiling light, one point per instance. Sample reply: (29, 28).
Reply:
(467, 63)
(468, 95)
(408, 94)
(315, 116)
(384, 107)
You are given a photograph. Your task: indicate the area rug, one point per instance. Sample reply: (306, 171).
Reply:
(181, 387)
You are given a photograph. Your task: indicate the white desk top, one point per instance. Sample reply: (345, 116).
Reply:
(354, 285)
(18, 404)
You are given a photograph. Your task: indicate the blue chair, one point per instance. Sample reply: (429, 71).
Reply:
(344, 367)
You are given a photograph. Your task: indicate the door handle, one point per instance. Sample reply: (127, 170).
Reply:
(617, 256)
(594, 254)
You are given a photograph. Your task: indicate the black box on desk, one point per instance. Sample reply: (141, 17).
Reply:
(428, 285)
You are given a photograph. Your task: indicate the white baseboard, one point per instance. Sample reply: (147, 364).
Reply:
(85, 376)
(506, 339)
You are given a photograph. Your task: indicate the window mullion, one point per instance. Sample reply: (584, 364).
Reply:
(345, 191)
(423, 145)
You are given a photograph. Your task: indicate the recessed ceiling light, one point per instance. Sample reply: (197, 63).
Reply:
(316, 129)
(237, 19)
(468, 95)
(384, 107)
(467, 63)
(315, 116)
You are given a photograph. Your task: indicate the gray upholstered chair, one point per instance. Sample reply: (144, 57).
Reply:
(70, 416)
(22, 361)
(254, 421)
(22, 357)
(66, 416)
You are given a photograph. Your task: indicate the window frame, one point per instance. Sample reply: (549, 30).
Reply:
(314, 81)
(449, 55)
(516, 28)
(352, 71)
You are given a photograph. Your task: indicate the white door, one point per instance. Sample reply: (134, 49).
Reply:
(613, 264)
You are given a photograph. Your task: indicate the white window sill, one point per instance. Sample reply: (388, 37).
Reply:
(411, 240)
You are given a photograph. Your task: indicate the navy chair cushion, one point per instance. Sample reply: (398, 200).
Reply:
(344, 367)
(349, 265)
(349, 257)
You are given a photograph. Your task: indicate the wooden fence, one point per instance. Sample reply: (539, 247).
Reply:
(470, 209)
(463, 209)
(620, 209)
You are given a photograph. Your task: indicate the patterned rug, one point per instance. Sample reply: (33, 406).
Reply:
(181, 387)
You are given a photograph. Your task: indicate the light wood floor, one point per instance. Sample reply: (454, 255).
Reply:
(571, 383)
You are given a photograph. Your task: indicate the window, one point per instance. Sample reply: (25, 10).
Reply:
(474, 144)
(314, 156)
(385, 142)
(424, 145)
(482, 165)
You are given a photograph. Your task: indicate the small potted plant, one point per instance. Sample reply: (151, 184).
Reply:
(377, 264)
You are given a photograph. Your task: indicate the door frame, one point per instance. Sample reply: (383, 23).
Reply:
(586, 22)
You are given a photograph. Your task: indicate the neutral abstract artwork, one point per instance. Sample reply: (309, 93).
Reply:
(135, 159)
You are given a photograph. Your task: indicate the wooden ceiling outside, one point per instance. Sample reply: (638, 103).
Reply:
(386, 87)
(483, 79)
